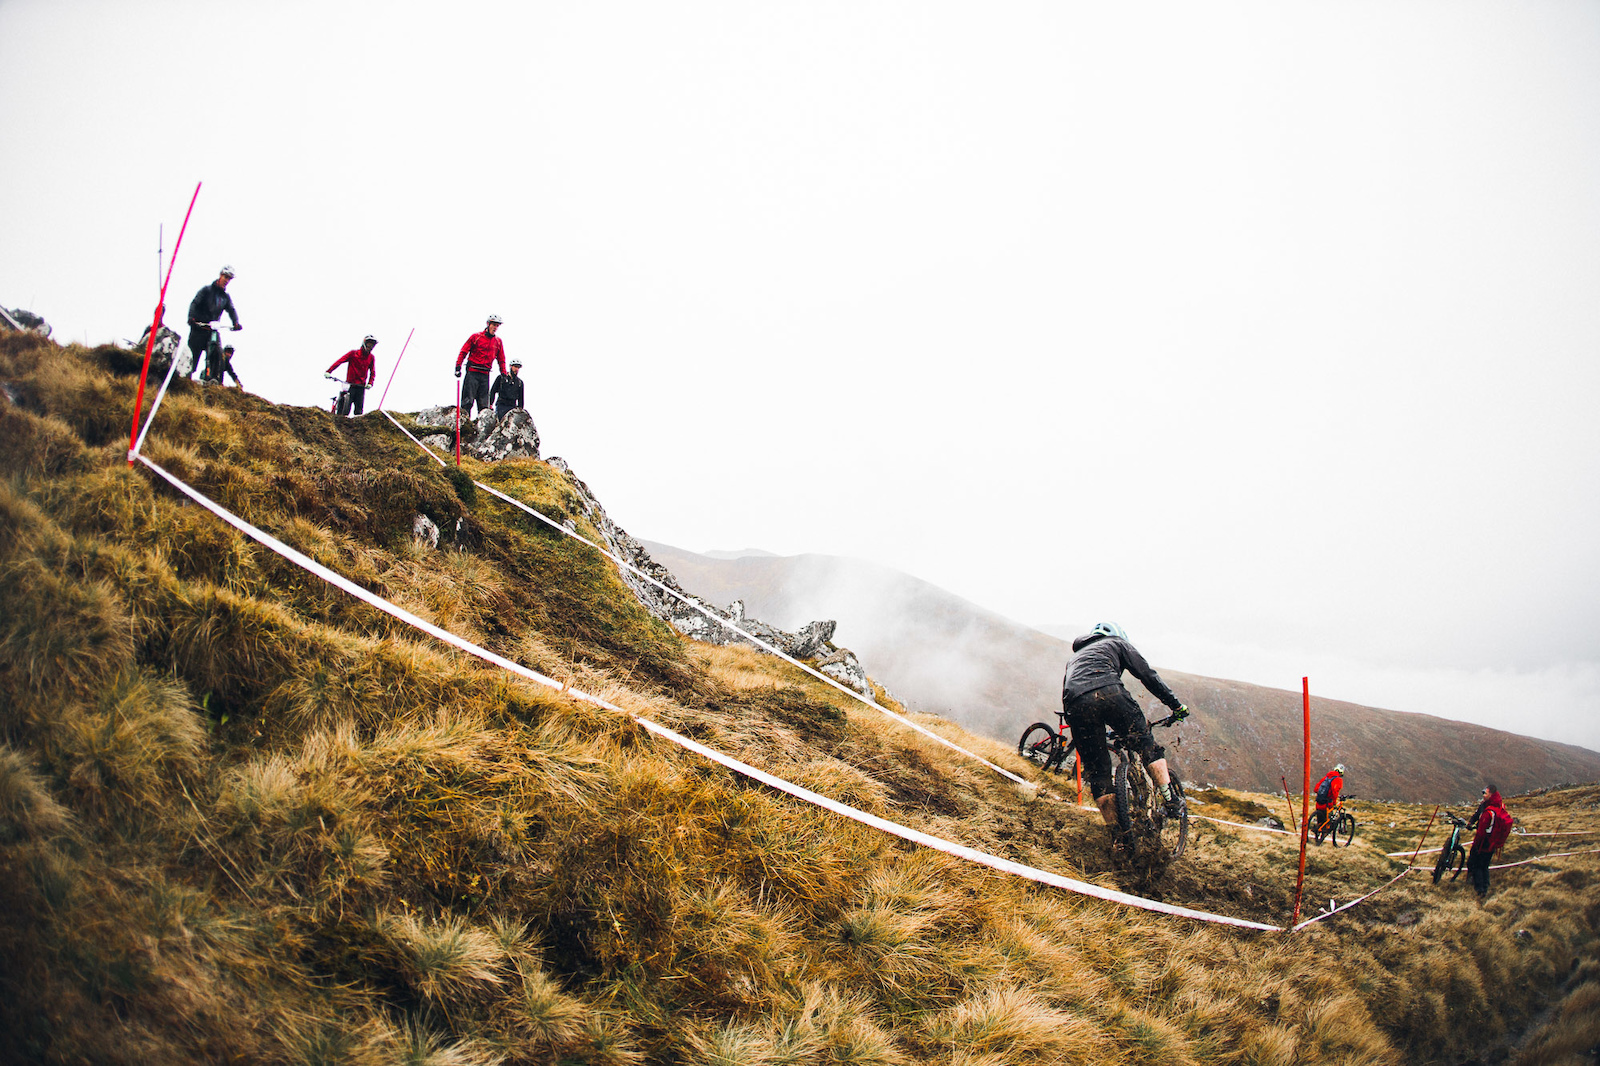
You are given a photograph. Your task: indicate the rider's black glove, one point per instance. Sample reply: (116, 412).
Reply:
(458, 371)
(1181, 713)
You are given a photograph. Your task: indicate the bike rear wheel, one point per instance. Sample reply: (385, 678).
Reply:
(1041, 746)
(1346, 829)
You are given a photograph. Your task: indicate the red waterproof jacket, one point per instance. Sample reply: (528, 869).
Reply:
(1338, 787)
(480, 353)
(363, 366)
(1494, 824)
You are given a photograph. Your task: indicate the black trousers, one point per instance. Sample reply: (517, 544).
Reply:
(358, 394)
(1090, 714)
(474, 388)
(1478, 867)
(199, 337)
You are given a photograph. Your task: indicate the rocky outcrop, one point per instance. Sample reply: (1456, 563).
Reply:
(483, 436)
(515, 436)
(813, 641)
(21, 320)
(511, 437)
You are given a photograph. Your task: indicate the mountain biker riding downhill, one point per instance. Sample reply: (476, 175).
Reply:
(480, 353)
(208, 305)
(360, 372)
(1092, 697)
(1327, 793)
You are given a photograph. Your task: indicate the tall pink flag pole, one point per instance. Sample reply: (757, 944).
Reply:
(161, 310)
(396, 369)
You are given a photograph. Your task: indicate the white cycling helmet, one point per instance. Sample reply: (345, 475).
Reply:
(1338, 768)
(369, 339)
(1108, 629)
(494, 320)
(226, 271)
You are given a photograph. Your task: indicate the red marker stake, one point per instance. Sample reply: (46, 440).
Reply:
(1305, 805)
(396, 369)
(161, 308)
(1423, 837)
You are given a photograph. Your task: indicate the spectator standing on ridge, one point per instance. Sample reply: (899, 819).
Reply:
(1092, 697)
(208, 305)
(225, 366)
(1326, 795)
(507, 391)
(480, 353)
(1493, 823)
(361, 371)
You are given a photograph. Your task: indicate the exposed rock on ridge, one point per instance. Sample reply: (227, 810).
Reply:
(812, 641)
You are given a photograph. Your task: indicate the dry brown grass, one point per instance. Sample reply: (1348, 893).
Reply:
(245, 818)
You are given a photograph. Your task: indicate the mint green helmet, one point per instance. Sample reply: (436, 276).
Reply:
(1108, 629)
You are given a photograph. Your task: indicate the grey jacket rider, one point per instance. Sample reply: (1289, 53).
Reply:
(1099, 663)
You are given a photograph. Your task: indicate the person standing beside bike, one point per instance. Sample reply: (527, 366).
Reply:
(361, 371)
(1092, 698)
(208, 305)
(480, 353)
(1493, 823)
(507, 391)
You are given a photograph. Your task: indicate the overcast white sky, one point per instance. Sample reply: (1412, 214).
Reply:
(1269, 331)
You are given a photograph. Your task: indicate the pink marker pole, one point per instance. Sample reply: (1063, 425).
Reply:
(458, 422)
(161, 310)
(396, 369)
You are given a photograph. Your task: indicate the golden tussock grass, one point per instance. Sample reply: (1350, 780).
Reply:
(246, 818)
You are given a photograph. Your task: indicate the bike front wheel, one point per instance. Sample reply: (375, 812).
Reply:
(1346, 829)
(1041, 746)
(1457, 861)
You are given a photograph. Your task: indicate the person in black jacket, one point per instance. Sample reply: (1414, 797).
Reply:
(208, 305)
(507, 391)
(1092, 697)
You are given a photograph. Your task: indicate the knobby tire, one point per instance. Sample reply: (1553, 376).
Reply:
(1347, 829)
(1041, 746)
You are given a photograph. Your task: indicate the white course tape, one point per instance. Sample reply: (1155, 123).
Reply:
(1352, 903)
(1536, 858)
(904, 832)
(1242, 825)
(149, 420)
(1563, 833)
(819, 675)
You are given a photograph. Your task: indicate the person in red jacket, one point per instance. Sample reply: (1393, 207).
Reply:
(1494, 823)
(361, 370)
(480, 353)
(1327, 797)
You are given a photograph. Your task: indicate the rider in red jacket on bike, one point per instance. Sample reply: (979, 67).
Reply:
(361, 372)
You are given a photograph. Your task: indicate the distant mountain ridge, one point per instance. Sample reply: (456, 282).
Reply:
(942, 654)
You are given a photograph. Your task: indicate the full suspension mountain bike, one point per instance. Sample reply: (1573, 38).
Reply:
(1142, 817)
(1336, 824)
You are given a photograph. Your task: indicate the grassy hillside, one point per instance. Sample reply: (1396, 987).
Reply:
(246, 818)
(945, 655)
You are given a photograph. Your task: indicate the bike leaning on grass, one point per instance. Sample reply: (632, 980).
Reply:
(1142, 817)
(1452, 857)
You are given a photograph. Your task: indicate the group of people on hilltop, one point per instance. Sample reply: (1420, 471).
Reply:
(1093, 698)
(481, 352)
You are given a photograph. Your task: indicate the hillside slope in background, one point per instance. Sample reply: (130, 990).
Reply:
(945, 655)
(247, 818)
